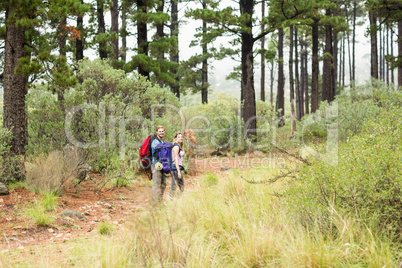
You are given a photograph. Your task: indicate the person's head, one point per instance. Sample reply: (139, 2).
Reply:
(160, 132)
(178, 138)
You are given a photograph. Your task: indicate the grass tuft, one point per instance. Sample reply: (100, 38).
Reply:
(105, 228)
(210, 179)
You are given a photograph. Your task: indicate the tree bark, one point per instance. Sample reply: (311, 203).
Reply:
(204, 70)
(351, 81)
(14, 85)
(114, 12)
(299, 95)
(383, 54)
(280, 97)
(271, 94)
(306, 85)
(292, 85)
(392, 56)
(387, 65)
(314, 68)
(101, 28)
(353, 77)
(379, 34)
(400, 54)
(334, 67)
(79, 44)
(142, 37)
(123, 54)
(247, 75)
(326, 73)
(161, 34)
(262, 84)
(175, 51)
(302, 80)
(342, 73)
(373, 43)
(62, 37)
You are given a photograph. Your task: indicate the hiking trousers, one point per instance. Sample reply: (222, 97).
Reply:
(159, 184)
(176, 182)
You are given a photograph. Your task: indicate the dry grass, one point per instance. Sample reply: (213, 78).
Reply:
(233, 224)
(50, 172)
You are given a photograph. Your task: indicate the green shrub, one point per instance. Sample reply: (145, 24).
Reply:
(45, 121)
(366, 181)
(111, 107)
(5, 140)
(349, 111)
(10, 165)
(216, 124)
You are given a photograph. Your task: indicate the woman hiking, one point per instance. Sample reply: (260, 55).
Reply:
(177, 165)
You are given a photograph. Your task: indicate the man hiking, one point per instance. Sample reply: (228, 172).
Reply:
(158, 177)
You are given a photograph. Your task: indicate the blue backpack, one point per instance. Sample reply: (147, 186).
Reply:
(163, 153)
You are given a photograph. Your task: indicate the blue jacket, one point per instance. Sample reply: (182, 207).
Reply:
(155, 143)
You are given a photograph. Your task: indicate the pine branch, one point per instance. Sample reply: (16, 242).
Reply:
(292, 155)
(272, 180)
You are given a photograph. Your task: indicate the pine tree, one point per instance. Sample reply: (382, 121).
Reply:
(28, 54)
(197, 77)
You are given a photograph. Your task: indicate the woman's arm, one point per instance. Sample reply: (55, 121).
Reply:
(176, 160)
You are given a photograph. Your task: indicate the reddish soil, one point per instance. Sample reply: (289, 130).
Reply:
(18, 231)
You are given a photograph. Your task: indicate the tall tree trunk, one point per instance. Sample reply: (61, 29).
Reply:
(314, 68)
(263, 54)
(62, 46)
(343, 60)
(123, 27)
(14, 85)
(247, 74)
(101, 28)
(334, 66)
(159, 35)
(114, 12)
(353, 77)
(392, 56)
(292, 85)
(280, 97)
(400, 54)
(387, 65)
(328, 88)
(351, 81)
(373, 42)
(326, 73)
(299, 95)
(271, 94)
(175, 51)
(339, 72)
(204, 70)
(383, 53)
(62, 37)
(306, 84)
(302, 78)
(79, 44)
(142, 37)
(379, 34)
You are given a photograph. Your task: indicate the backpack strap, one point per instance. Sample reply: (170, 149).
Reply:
(155, 151)
(172, 158)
